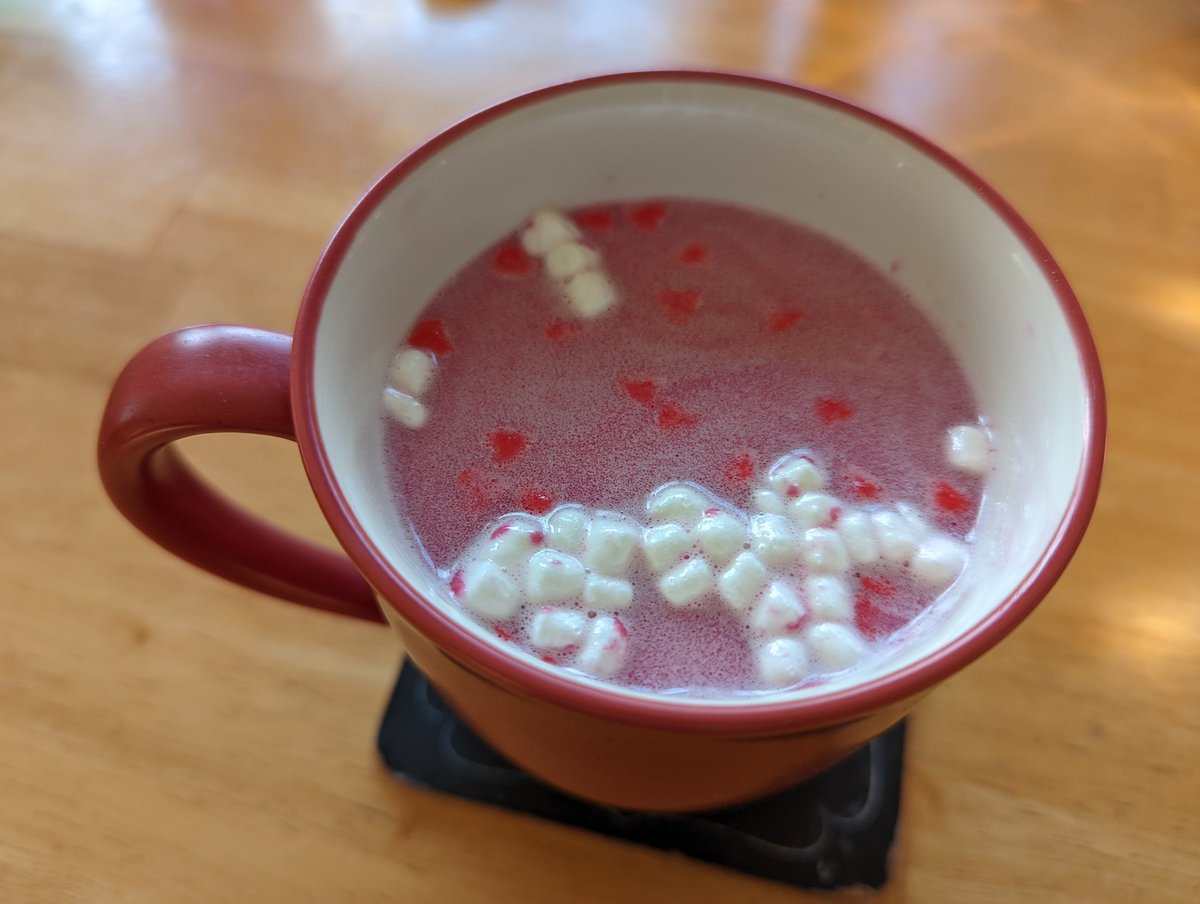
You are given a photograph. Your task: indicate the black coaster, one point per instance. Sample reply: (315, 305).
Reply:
(832, 831)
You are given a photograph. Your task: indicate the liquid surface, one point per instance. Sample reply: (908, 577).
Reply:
(737, 338)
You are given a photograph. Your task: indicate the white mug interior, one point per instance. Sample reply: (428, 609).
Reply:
(805, 160)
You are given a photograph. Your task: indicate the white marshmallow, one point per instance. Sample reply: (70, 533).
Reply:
(547, 229)
(557, 629)
(859, 537)
(834, 647)
(404, 408)
(768, 501)
(488, 591)
(778, 612)
(795, 472)
(828, 598)
(894, 535)
(600, 592)
(916, 522)
(604, 647)
(686, 582)
(566, 527)
(773, 539)
(742, 580)
(411, 371)
(676, 502)
(610, 544)
(590, 294)
(938, 560)
(967, 448)
(720, 535)
(512, 541)
(552, 576)
(813, 509)
(570, 258)
(782, 662)
(824, 552)
(664, 544)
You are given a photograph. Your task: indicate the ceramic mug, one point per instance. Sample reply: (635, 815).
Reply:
(971, 263)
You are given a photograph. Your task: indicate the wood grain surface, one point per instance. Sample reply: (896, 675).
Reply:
(167, 737)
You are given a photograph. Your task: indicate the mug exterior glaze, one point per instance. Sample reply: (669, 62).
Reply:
(903, 204)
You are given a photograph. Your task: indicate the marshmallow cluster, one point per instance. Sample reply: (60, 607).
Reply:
(573, 265)
(573, 564)
(409, 376)
(781, 569)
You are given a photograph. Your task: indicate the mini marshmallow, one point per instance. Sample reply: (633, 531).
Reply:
(828, 598)
(782, 662)
(916, 522)
(768, 501)
(566, 527)
(894, 535)
(570, 258)
(557, 629)
(547, 229)
(742, 580)
(552, 576)
(824, 552)
(778, 612)
(663, 545)
(967, 448)
(590, 294)
(859, 537)
(488, 591)
(676, 502)
(720, 535)
(411, 371)
(834, 647)
(773, 539)
(610, 544)
(938, 560)
(604, 647)
(404, 408)
(686, 582)
(512, 541)
(600, 592)
(813, 509)
(797, 473)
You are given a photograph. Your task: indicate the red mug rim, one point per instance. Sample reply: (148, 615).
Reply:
(766, 716)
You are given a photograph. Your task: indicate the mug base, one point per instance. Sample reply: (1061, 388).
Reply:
(831, 831)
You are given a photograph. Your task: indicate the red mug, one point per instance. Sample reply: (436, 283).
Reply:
(971, 263)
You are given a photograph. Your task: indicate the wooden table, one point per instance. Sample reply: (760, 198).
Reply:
(168, 737)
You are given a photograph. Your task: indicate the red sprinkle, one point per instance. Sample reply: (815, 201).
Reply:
(511, 260)
(949, 499)
(679, 304)
(561, 329)
(782, 321)
(792, 491)
(712, 511)
(549, 659)
(835, 515)
(457, 583)
(878, 587)
(594, 219)
(648, 216)
(537, 503)
(620, 625)
(673, 415)
(501, 633)
(693, 253)
(739, 468)
(430, 335)
(500, 531)
(506, 445)
(641, 391)
(873, 621)
(537, 537)
(864, 488)
(831, 410)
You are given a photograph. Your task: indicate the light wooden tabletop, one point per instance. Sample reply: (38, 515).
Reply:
(168, 737)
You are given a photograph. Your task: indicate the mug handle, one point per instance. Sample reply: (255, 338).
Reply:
(215, 379)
